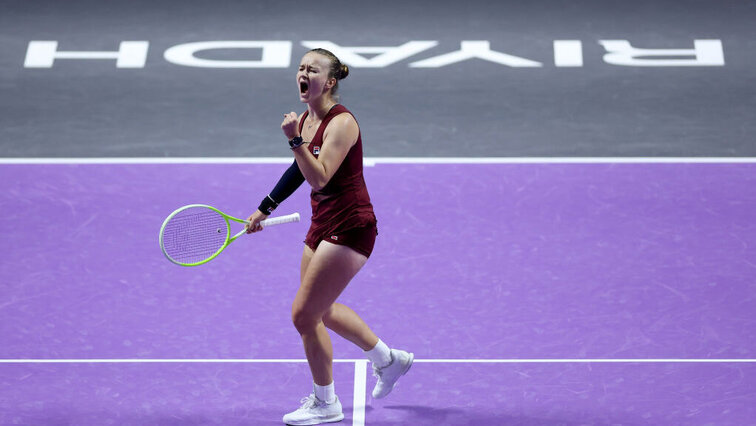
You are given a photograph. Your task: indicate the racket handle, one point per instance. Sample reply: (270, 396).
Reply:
(294, 217)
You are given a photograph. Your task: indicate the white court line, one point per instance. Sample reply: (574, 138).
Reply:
(588, 360)
(372, 161)
(356, 361)
(360, 384)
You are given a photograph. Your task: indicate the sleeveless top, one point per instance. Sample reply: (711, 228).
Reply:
(344, 203)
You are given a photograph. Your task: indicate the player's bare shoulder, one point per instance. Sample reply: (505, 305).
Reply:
(343, 127)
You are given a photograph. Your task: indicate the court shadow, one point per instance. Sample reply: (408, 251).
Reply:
(419, 414)
(425, 415)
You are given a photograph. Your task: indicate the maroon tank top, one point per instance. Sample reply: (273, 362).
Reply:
(344, 202)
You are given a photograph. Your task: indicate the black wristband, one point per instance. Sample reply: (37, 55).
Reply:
(267, 205)
(296, 142)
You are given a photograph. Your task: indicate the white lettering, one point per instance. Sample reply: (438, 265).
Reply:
(275, 54)
(386, 55)
(705, 53)
(568, 53)
(42, 54)
(480, 49)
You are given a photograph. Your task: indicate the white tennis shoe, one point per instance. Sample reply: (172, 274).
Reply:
(314, 412)
(401, 362)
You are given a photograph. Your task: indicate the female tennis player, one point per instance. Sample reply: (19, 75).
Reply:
(327, 148)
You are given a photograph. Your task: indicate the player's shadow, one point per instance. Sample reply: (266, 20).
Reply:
(419, 414)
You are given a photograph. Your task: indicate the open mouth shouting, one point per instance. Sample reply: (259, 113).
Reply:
(304, 87)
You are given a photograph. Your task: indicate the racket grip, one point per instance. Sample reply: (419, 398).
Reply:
(294, 217)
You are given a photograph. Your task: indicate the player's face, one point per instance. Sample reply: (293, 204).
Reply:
(312, 77)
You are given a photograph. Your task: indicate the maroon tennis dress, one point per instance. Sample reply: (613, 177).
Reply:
(341, 211)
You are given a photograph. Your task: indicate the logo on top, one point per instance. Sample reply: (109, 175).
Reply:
(278, 54)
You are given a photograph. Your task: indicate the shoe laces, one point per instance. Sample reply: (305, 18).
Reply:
(377, 372)
(309, 402)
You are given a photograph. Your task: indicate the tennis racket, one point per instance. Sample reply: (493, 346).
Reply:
(197, 233)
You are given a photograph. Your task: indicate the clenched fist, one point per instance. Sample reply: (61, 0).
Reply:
(290, 125)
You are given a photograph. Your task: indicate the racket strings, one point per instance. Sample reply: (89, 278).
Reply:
(194, 235)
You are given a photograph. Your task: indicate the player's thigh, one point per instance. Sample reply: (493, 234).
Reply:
(307, 254)
(327, 274)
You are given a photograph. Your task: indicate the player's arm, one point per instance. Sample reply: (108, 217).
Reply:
(291, 179)
(288, 183)
(338, 138)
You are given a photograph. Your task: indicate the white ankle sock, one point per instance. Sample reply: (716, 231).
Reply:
(325, 393)
(380, 355)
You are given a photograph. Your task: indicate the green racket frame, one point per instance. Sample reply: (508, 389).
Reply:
(294, 217)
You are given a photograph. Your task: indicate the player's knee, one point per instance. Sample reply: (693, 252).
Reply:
(303, 320)
(327, 316)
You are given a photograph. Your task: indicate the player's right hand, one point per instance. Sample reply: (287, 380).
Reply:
(254, 222)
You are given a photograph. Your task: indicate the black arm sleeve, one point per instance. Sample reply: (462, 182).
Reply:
(289, 182)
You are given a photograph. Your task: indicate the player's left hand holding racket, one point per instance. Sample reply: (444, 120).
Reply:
(197, 233)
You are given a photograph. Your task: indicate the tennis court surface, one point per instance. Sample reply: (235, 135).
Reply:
(539, 293)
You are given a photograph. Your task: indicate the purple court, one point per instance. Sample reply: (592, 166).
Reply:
(531, 294)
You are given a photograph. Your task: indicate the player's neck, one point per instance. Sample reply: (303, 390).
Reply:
(319, 109)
